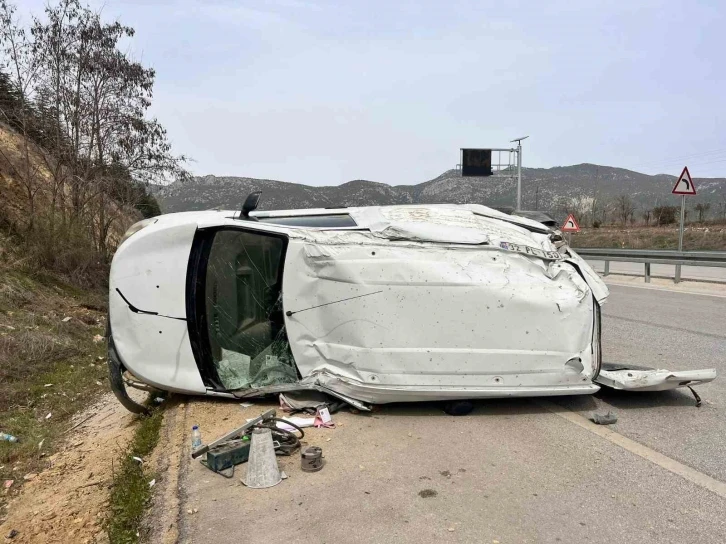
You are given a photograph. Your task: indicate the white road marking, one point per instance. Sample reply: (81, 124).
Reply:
(692, 475)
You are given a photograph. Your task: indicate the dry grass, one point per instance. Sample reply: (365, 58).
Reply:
(131, 492)
(39, 346)
(704, 237)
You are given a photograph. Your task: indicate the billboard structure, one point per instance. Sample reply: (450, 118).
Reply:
(484, 162)
(476, 162)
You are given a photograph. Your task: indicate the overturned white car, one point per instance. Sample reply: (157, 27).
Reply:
(371, 305)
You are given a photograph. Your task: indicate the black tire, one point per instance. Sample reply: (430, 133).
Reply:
(458, 407)
(116, 371)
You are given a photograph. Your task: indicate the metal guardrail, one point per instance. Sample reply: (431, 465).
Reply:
(655, 256)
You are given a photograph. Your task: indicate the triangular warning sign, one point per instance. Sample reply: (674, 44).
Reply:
(570, 224)
(684, 185)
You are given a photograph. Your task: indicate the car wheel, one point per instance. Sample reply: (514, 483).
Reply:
(118, 386)
(458, 407)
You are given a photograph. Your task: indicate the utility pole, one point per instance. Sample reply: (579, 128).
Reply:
(519, 170)
(536, 198)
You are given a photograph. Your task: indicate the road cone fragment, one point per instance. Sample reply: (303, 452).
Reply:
(262, 469)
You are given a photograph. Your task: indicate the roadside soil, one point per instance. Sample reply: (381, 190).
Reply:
(66, 502)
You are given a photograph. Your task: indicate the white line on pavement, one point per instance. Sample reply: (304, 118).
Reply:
(663, 461)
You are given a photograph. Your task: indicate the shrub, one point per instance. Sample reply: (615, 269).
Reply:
(665, 215)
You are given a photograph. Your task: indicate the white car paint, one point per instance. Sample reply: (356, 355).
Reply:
(452, 302)
(654, 380)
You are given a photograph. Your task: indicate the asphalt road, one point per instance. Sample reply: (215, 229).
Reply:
(702, 273)
(513, 470)
(676, 331)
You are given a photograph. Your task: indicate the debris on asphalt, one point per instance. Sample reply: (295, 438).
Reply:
(8, 437)
(302, 401)
(323, 418)
(196, 437)
(427, 493)
(48, 416)
(236, 433)
(159, 400)
(223, 458)
(285, 424)
(246, 404)
(12, 534)
(311, 459)
(235, 447)
(262, 469)
(607, 418)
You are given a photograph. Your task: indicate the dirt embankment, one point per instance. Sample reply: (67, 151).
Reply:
(703, 237)
(67, 501)
(54, 397)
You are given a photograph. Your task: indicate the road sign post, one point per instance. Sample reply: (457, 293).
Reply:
(569, 226)
(684, 186)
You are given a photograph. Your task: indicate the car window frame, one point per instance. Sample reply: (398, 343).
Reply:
(197, 324)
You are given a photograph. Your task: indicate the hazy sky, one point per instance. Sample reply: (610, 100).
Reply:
(325, 91)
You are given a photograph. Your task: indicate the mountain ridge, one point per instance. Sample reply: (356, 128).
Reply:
(555, 189)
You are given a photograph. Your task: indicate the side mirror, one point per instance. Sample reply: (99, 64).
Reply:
(251, 203)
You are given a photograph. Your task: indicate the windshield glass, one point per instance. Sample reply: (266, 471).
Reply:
(244, 311)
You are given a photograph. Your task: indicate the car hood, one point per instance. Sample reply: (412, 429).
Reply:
(147, 304)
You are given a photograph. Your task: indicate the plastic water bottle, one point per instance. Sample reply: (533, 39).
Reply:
(196, 437)
(8, 437)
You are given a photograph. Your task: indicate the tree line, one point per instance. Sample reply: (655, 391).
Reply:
(623, 210)
(87, 149)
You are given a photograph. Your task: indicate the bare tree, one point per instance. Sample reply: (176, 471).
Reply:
(646, 216)
(624, 208)
(18, 55)
(88, 100)
(702, 209)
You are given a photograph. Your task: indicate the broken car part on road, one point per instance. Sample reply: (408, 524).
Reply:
(370, 305)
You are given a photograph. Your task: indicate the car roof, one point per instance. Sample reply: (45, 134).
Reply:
(527, 219)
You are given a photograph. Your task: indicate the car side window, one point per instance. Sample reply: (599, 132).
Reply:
(244, 310)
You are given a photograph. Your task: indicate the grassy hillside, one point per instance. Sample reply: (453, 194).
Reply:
(705, 237)
(50, 364)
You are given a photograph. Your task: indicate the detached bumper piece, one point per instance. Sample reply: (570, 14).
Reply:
(637, 379)
(640, 379)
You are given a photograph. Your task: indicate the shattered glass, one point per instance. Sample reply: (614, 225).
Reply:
(244, 311)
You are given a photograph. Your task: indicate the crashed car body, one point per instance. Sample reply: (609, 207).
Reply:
(370, 304)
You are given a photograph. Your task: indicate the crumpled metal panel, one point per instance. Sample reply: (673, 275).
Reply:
(446, 224)
(655, 379)
(435, 321)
